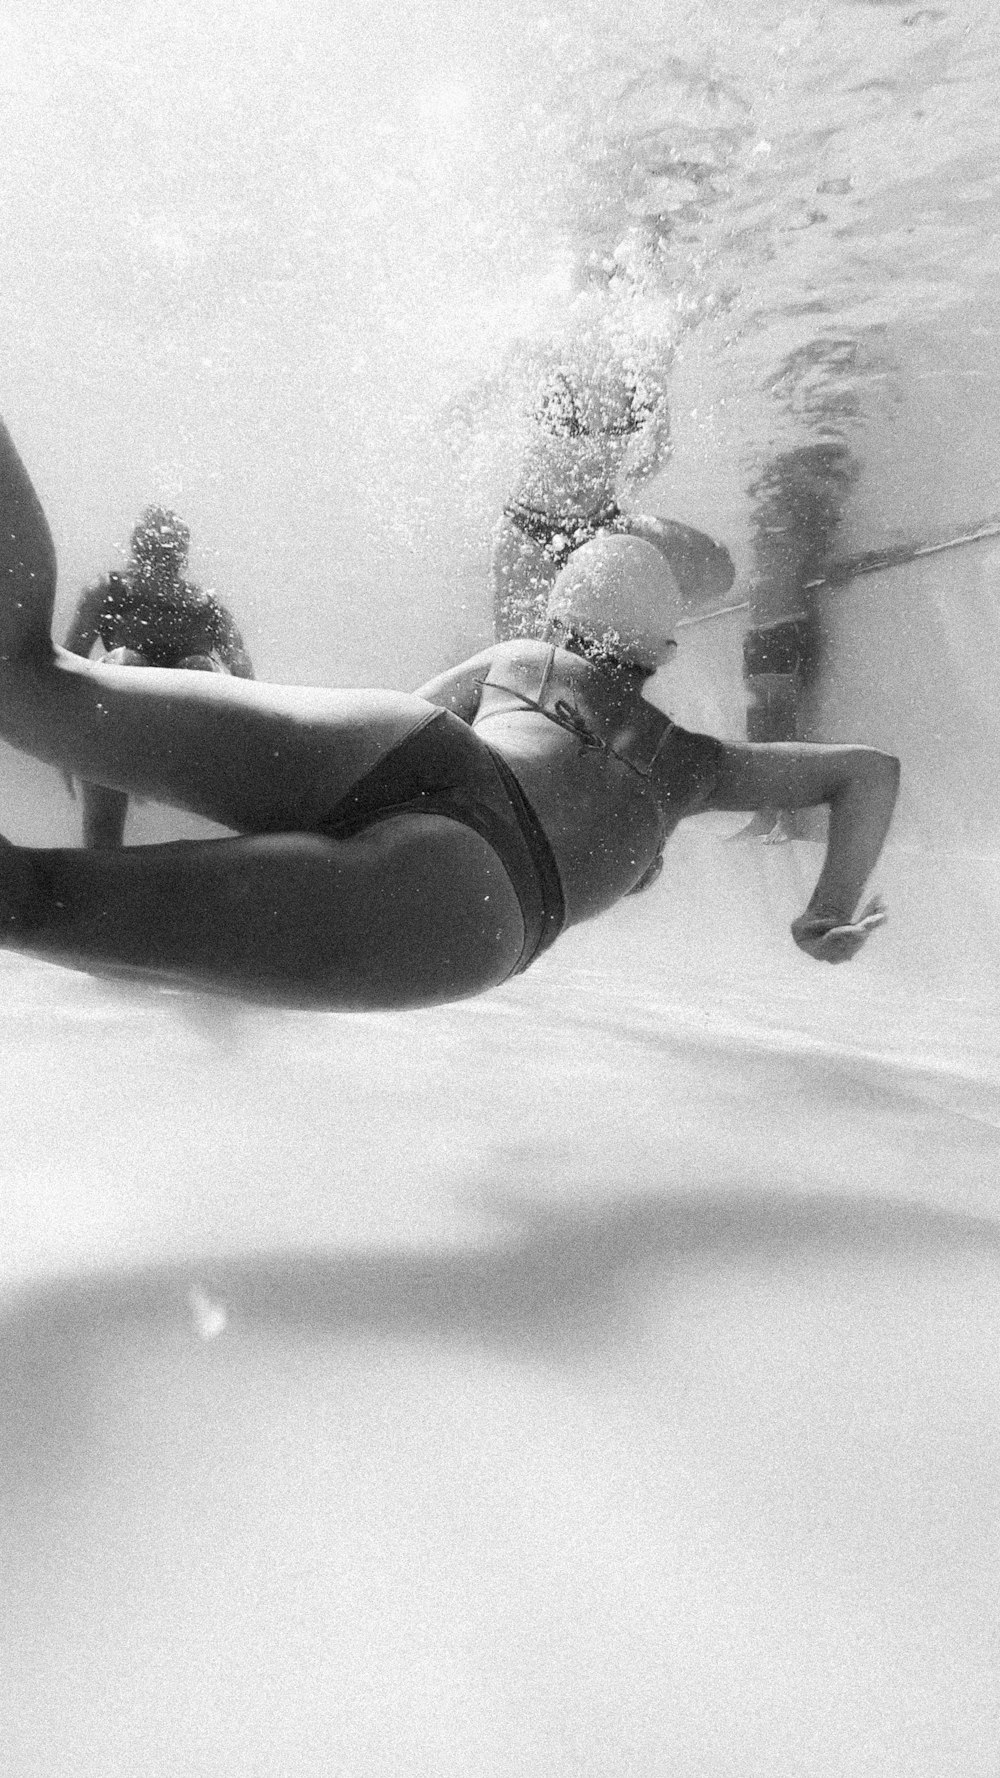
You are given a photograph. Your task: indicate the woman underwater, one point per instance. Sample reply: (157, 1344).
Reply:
(391, 849)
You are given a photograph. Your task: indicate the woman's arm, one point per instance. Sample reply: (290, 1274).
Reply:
(859, 785)
(460, 688)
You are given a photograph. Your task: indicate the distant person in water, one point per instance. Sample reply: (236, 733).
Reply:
(798, 501)
(391, 849)
(151, 616)
(594, 438)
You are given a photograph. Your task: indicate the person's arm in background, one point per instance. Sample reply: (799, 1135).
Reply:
(83, 629)
(231, 647)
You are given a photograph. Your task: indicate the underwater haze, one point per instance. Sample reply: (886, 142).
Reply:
(600, 1377)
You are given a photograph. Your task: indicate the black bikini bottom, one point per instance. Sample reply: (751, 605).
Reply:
(559, 537)
(442, 767)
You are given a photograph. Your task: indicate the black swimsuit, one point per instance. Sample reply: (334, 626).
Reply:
(442, 767)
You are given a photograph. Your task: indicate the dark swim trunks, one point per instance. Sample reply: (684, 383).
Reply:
(442, 767)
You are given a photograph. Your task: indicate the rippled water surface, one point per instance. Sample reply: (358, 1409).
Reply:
(257, 251)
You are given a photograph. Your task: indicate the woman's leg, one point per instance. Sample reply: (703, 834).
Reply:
(417, 910)
(257, 758)
(703, 569)
(106, 811)
(522, 575)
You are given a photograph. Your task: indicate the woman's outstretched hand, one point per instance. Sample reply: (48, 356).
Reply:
(831, 940)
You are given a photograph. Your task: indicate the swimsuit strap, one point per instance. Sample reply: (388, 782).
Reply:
(569, 717)
(561, 713)
(566, 716)
(661, 743)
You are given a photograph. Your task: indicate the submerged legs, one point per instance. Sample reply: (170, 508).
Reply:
(416, 911)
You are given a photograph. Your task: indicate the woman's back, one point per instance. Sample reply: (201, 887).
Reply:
(607, 774)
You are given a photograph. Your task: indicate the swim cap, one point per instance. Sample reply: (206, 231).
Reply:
(160, 533)
(619, 592)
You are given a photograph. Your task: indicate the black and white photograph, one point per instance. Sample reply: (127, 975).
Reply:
(500, 889)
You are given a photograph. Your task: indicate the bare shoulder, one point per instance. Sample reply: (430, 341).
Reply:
(524, 651)
(459, 688)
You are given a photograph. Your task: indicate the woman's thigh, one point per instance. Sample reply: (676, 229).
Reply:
(418, 909)
(255, 757)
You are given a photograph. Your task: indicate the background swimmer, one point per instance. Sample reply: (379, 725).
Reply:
(150, 615)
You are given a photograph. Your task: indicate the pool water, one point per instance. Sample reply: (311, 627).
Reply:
(599, 1377)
